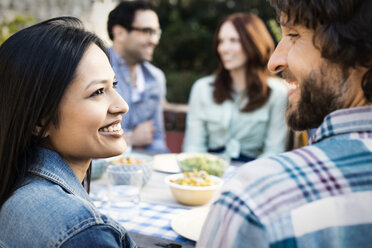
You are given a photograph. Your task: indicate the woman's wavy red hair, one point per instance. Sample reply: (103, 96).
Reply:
(258, 46)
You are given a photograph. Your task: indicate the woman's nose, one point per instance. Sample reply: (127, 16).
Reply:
(119, 105)
(224, 47)
(279, 59)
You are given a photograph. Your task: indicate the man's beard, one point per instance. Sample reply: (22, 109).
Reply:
(137, 57)
(318, 98)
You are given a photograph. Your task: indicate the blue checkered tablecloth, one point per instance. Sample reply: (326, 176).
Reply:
(152, 220)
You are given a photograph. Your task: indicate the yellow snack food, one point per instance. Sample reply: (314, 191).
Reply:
(195, 178)
(128, 160)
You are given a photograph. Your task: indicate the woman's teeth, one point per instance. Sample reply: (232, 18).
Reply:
(112, 128)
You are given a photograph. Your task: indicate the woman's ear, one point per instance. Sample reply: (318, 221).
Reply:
(37, 131)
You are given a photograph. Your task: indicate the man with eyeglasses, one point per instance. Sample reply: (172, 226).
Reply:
(134, 28)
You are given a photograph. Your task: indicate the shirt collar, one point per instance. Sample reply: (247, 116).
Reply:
(344, 121)
(140, 86)
(115, 57)
(52, 167)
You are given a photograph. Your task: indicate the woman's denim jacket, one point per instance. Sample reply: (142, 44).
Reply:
(52, 209)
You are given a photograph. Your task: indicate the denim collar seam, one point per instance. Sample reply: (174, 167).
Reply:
(2, 245)
(87, 225)
(97, 215)
(71, 232)
(52, 177)
(117, 228)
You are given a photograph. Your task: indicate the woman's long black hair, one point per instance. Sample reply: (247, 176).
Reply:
(36, 66)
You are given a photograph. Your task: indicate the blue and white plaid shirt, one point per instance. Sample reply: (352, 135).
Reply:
(316, 196)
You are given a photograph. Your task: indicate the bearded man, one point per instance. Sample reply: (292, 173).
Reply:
(319, 195)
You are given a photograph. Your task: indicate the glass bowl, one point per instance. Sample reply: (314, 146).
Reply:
(215, 165)
(133, 162)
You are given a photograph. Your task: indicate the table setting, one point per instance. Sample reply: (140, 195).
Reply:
(161, 199)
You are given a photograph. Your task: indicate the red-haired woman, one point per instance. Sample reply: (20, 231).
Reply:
(239, 111)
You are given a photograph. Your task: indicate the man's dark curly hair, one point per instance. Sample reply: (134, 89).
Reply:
(342, 30)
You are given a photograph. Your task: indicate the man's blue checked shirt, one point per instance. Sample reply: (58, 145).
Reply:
(317, 196)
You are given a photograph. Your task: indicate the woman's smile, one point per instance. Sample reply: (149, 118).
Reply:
(112, 130)
(90, 112)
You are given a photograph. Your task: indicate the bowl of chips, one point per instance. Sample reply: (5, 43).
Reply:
(134, 162)
(193, 188)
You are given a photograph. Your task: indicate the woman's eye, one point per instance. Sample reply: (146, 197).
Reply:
(234, 40)
(292, 35)
(98, 92)
(115, 84)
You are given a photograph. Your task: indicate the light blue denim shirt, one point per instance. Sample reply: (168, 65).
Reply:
(52, 209)
(258, 133)
(149, 105)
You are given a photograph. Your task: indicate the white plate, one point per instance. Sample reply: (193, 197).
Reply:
(166, 163)
(189, 224)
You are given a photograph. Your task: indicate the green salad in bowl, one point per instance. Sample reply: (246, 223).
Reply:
(214, 165)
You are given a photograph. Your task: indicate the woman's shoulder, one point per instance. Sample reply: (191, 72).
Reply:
(202, 90)
(204, 82)
(57, 213)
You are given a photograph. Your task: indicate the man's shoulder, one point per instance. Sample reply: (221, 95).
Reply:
(152, 69)
(114, 56)
(280, 183)
(271, 181)
(247, 175)
(285, 166)
(266, 193)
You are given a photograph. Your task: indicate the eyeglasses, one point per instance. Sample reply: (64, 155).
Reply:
(148, 31)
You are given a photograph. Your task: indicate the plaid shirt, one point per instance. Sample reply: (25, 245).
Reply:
(316, 196)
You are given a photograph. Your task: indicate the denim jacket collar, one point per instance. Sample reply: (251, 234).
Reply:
(52, 167)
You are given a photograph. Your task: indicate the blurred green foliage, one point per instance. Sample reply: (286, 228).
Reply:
(9, 27)
(179, 84)
(185, 49)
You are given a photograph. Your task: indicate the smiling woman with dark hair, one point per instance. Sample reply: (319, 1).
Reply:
(240, 110)
(57, 99)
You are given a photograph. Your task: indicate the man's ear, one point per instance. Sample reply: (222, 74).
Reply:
(119, 32)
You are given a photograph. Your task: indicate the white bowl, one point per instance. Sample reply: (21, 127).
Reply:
(193, 195)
